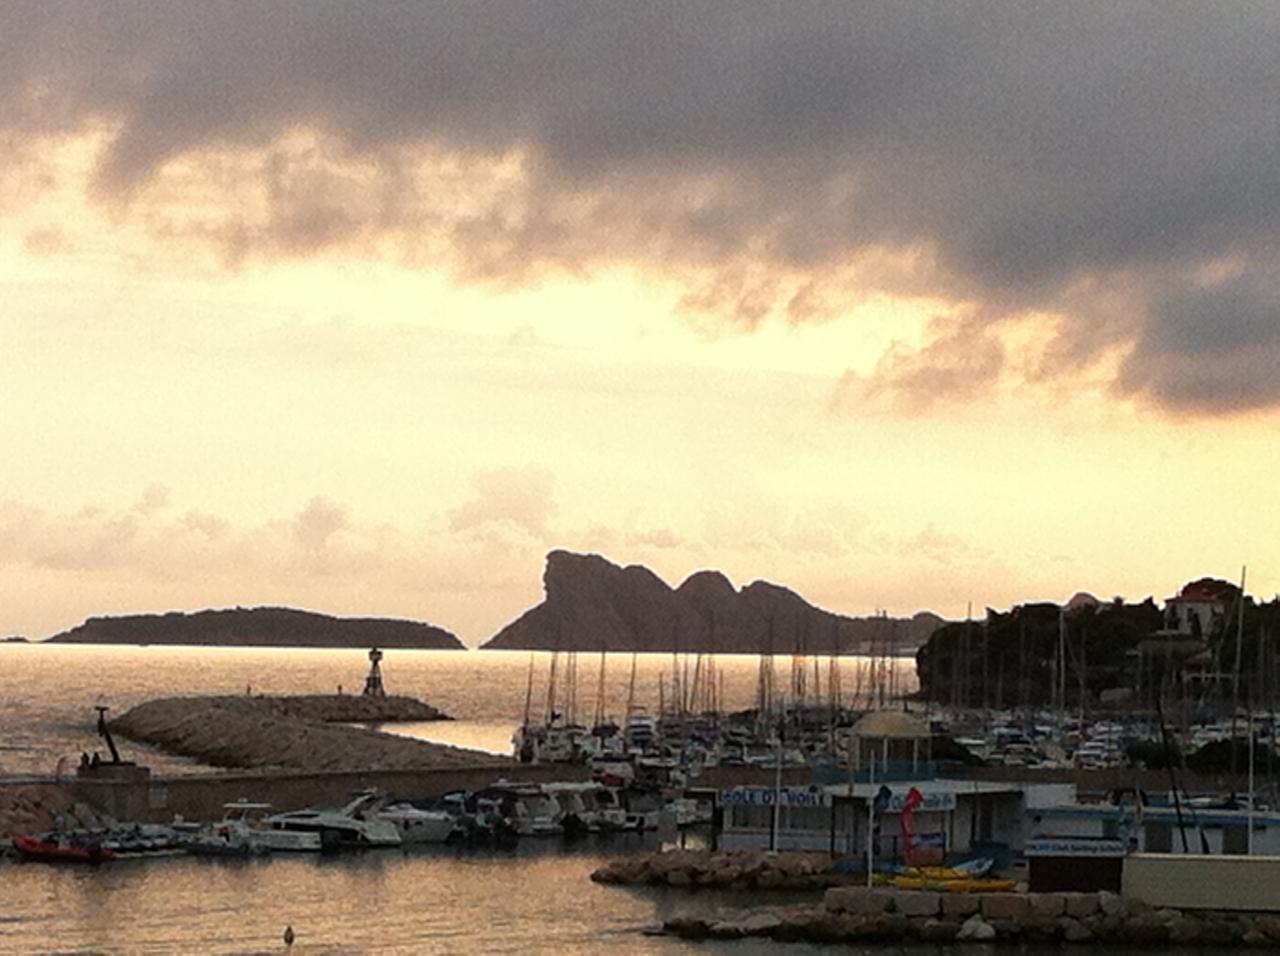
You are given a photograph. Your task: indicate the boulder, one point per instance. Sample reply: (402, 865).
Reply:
(1007, 929)
(1255, 937)
(976, 929)
(760, 924)
(1039, 929)
(609, 873)
(1111, 904)
(1080, 905)
(1184, 929)
(687, 926)
(1145, 929)
(881, 926)
(769, 879)
(679, 878)
(1005, 906)
(858, 900)
(1047, 905)
(725, 929)
(1109, 927)
(938, 930)
(1220, 930)
(960, 904)
(917, 903)
(810, 924)
(1074, 931)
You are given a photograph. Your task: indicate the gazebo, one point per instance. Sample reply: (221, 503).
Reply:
(895, 734)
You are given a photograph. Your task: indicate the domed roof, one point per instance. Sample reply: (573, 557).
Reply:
(892, 724)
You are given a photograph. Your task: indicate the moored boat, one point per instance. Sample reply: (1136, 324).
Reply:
(58, 848)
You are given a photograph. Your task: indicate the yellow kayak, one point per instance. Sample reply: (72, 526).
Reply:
(961, 884)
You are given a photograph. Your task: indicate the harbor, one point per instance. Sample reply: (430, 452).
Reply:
(709, 783)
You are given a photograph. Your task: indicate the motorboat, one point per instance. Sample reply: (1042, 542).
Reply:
(641, 730)
(418, 826)
(356, 824)
(244, 831)
(526, 807)
(61, 848)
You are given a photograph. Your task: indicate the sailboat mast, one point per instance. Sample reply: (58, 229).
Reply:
(1235, 681)
(528, 693)
(631, 689)
(551, 687)
(600, 708)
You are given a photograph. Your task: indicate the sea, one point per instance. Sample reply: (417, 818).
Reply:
(535, 898)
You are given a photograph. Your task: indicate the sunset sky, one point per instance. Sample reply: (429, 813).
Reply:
(363, 308)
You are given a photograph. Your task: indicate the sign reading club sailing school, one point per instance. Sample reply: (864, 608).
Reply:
(933, 800)
(768, 796)
(1068, 846)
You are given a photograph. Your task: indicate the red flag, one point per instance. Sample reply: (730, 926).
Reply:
(914, 799)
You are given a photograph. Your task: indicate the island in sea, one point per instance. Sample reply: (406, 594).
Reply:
(259, 627)
(593, 604)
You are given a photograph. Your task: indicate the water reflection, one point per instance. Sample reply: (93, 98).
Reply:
(537, 898)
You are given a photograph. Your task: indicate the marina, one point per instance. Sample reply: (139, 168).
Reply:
(727, 757)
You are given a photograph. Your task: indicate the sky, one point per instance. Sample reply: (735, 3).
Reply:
(363, 308)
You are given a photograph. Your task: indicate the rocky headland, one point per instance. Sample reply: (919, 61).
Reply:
(293, 733)
(592, 604)
(259, 627)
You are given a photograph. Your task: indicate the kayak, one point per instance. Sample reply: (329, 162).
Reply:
(53, 851)
(947, 885)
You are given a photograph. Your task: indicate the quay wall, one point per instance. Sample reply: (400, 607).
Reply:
(1247, 883)
(158, 799)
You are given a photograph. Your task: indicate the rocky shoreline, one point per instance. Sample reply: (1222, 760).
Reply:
(294, 733)
(743, 870)
(858, 914)
(851, 912)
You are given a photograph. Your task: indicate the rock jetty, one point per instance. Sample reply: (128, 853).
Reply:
(35, 807)
(858, 914)
(294, 733)
(739, 870)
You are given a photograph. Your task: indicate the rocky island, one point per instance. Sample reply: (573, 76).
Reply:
(259, 627)
(592, 605)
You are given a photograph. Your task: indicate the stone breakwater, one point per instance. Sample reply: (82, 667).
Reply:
(35, 807)
(742, 870)
(858, 914)
(293, 733)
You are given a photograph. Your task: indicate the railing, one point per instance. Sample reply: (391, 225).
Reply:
(828, 773)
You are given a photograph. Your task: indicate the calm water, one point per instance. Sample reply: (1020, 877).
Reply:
(534, 899)
(47, 692)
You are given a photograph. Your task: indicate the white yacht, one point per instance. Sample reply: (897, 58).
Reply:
(356, 824)
(243, 825)
(419, 826)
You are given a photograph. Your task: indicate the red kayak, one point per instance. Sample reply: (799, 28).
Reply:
(52, 851)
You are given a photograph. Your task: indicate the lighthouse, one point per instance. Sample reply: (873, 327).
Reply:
(373, 683)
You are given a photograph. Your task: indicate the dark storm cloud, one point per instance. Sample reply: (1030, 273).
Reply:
(1214, 348)
(1028, 146)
